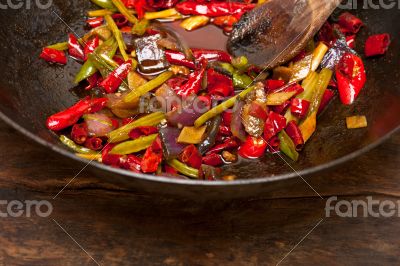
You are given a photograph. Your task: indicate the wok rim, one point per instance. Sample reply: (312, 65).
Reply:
(193, 182)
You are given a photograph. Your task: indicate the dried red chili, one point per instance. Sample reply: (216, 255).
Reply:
(79, 133)
(294, 133)
(213, 159)
(272, 84)
(95, 22)
(274, 124)
(213, 9)
(138, 132)
(152, 157)
(94, 143)
(211, 55)
(90, 46)
(229, 143)
(252, 148)
(71, 115)
(219, 84)
(120, 20)
(258, 111)
(350, 76)
(74, 48)
(94, 81)
(351, 23)
(114, 80)
(193, 84)
(132, 163)
(191, 156)
(377, 44)
(299, 107)
(54, 56)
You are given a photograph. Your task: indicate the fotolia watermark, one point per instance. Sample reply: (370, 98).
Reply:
(362, 208)
(26, 208)
(370, 4)
(25, 4)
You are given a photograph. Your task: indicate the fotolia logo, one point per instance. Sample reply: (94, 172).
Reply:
(25, 4)
(369, 4)
(16, 208)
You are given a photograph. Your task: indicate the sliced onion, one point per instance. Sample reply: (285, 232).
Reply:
(171, 148)
(98, 124)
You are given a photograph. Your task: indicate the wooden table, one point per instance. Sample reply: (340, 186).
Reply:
(113, 227)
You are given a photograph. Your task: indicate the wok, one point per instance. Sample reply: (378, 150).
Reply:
(31, 90)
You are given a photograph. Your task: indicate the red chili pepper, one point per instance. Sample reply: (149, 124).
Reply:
(350, 76)
(377, 44)
(225, 21)
(79, 133)
(326, 99)
(131, 162)
(120, 20)
(326, 34)
(140, 8)
(274, 124)
(295, 87)
(219, 84)
(213, 159)
(95, 22)
(273, 144)
(94, 81)
(94, 144)
(54, 56)
(299, 107)
(228, 144)
(294, 133)
(191, 156)
(115, 123)
(212, 55)
(213, 9)
(178, 58)
(152, 157)
(114, 80)
(71, 115)
(225, 131)
(258, 111)
(272, 84)
(126, 121)
(91, 45)
(351, 41)
(193, 85)
(119, 60)
(170, 170)
(280, 109)
(252, 148)
(74, 48)
(350, 22)
(114, 160)
(161, 4)
(129, 3)
(142, 131)
(227, 118)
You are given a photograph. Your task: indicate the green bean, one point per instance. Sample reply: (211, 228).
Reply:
(324, 78)
(148, 86)
(287, 146)
(107, 4)
(228, 67)
(121, 133)
(241, 80)
(109, 48)
(183, 168)
(91, 157)
(221, 108)
(132, 146)
(75, 147)
(61, 46)
(99, 13)
(118, 36)
(140, 27)
(124, 11)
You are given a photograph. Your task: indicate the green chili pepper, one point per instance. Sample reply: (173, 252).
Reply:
(228, 67)
(109, 48)
(118, 36)
(240, 62)
(140, 27)
(132, 146)
(107, 4)
(183, 168)
(148, 86)
(75, 147)
(287, 146)
(121, 133)
(221, 108)
(61, 46)
(241, 80)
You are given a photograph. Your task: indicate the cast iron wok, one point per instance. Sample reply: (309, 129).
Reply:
(30, 90)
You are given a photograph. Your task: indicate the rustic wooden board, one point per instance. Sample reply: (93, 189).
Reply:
(118, 227)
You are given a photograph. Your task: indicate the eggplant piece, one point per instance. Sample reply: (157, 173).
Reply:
(150, 57)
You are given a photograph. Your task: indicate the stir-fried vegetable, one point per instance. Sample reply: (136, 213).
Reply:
(154, 105)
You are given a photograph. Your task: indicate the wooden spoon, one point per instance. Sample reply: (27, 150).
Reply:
(276, 31)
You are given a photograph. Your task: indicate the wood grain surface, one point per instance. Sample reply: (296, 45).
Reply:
(100, 224)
